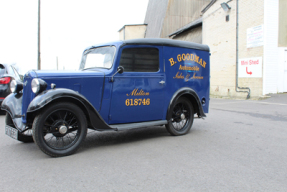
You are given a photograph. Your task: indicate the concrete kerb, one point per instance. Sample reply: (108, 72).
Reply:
(278, 98)
(263, 97)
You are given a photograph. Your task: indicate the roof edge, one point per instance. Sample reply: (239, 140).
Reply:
(191, 25)
(208, 6)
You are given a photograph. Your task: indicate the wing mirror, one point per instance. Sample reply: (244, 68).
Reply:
(120, 70)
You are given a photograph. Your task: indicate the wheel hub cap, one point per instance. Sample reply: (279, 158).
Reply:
(182, 116)
(63, 129)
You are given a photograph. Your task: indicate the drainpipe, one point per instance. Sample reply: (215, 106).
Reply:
(249, 91)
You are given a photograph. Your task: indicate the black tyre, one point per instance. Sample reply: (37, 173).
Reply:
(181, 115)
(26, 136)
(60, 129)
(2, 112)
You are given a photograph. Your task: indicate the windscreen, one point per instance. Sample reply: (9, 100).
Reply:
(101, 57)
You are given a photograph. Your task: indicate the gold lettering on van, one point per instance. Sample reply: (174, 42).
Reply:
(137, 92)
(188, 57)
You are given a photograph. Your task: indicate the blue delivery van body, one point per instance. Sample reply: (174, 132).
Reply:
(119, 86)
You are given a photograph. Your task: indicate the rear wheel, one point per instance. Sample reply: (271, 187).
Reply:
(181, 117)
(60, 129)
(26, 136)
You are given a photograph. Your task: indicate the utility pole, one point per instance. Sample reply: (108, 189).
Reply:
(39, 50)
(57, 63)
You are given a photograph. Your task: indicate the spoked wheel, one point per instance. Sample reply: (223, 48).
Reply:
(181, 116)
(26, 136)
(60, 129)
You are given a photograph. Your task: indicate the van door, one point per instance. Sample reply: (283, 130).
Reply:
(138, 93)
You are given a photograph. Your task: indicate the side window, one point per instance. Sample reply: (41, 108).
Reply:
(11, 71)
(140, 59)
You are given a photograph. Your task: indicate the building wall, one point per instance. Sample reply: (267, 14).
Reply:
(193, 35)
(282, 69)
(132, 32)
(251, 14)
(155, 15)
(135, 32)
(122, 34)
(180, 13)
(282, 43)
(221, 37)
(282, 40)
(166, 16)
(270, 68)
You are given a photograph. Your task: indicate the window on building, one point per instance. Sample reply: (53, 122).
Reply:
(140, 60)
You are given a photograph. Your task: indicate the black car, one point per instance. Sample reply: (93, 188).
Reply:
(7, 74)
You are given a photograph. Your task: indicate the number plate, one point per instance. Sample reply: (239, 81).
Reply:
(11, 131)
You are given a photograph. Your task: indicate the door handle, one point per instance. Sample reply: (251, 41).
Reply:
(162, 82)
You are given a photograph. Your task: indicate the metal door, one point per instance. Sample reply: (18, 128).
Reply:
(138, 96)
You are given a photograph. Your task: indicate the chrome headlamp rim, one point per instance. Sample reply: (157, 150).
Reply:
(16, 86)
(13, 86)
(35, 85)
(38, 85)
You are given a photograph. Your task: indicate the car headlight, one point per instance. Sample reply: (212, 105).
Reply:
(16, 86)
(38, 85)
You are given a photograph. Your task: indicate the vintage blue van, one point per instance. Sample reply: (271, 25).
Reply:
(119, 86)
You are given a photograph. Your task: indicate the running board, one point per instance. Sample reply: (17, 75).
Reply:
(120, 127)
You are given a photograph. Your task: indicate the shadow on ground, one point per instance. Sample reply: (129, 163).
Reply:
(98, 139)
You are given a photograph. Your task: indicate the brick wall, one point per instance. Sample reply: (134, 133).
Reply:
(221, 37)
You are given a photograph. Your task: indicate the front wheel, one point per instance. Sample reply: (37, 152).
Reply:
(60, 129)
(180, 117)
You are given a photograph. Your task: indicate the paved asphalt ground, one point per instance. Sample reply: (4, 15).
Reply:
(240, 146)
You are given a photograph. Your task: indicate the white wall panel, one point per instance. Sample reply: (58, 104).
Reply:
(282, 75)
(271, 50)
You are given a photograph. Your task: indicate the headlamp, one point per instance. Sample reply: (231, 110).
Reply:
(16, 86)
(38, 85)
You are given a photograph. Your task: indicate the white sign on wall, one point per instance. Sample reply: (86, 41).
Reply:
(255, 36)
(250, 67)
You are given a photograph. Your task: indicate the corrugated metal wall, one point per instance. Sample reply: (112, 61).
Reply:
(155, 14)
(166, 16)
(282, 39)
(180, 13)
(193, 35)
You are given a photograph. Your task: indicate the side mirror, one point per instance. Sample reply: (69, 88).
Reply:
(120, 70)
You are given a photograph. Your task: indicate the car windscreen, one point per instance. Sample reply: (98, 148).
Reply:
(101, 57)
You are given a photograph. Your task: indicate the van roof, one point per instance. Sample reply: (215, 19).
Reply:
(166, 42)
(155, 41)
